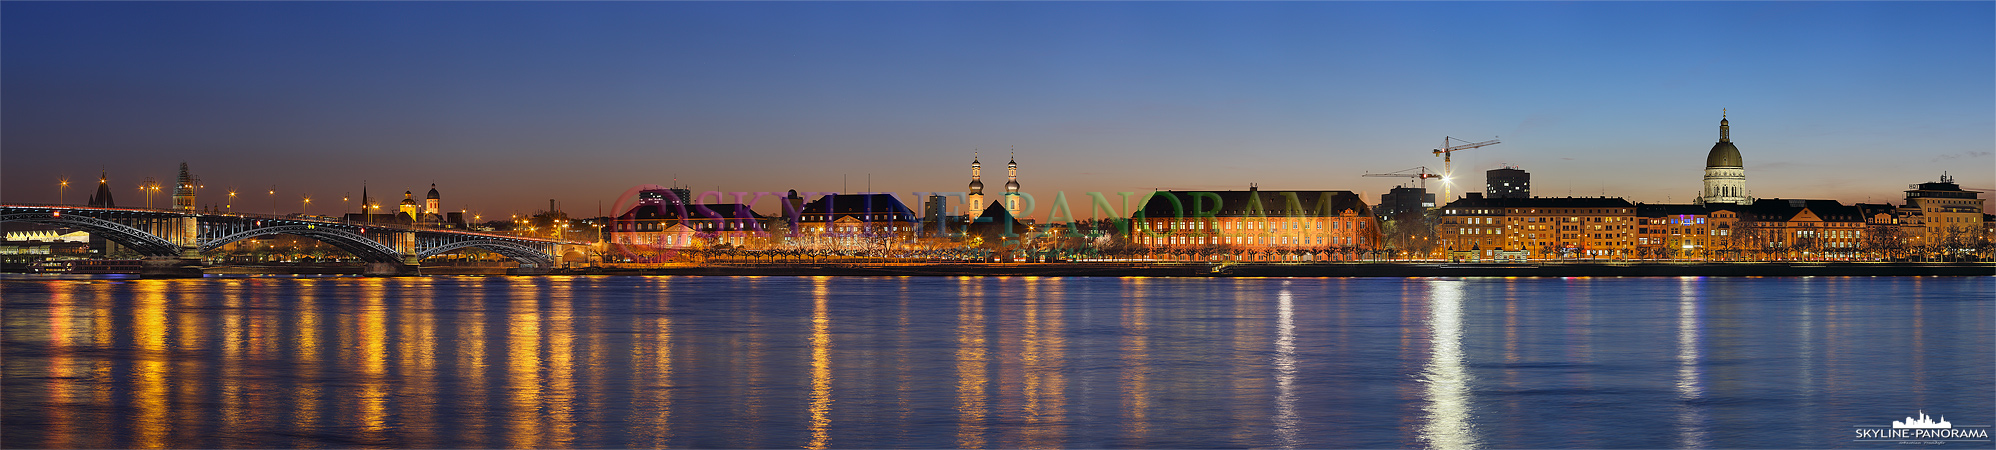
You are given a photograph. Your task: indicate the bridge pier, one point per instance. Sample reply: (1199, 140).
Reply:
(170, 267)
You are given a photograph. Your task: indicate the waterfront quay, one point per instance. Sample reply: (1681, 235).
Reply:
(1367, 269)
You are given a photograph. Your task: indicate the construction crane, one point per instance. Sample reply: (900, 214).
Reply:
(1420, 173)
(1448, 169)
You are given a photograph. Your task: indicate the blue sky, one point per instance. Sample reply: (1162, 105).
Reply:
(506, 105)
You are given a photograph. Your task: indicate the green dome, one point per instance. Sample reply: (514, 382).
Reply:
(1724, 155)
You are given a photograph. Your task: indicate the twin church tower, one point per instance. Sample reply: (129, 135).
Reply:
(976, 195)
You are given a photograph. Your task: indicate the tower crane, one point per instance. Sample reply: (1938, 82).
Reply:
(1448, 171)
(1420, 173)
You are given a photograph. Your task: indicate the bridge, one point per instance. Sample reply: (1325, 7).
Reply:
(173, 240)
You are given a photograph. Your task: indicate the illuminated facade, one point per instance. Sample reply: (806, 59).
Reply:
(1256, 225)
(1940, 215)
(1482, 229)
(1012, 186)
(1725, 171)
(1789, 229)
(855, 222)
(657, 224)
(975, 198)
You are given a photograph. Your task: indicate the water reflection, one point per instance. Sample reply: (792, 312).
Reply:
(1690, 386)
(704, 362)
(821, 364)
(1448, 420)
(1286, 418)
(970, 363)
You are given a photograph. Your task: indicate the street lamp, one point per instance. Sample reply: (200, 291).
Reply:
(62, 193)
(304, 207)
(273, 200)
(231, 204)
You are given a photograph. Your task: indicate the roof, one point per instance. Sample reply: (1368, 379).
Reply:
(1724, 154)
(1779, 209)
(1540, 202)
(1254, 203)
(1671, 209)
(664, 211)
(864, 207)
(994, 220)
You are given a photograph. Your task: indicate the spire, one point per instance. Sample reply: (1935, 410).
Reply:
(183, 192)
(1725, 133)
(103, 196)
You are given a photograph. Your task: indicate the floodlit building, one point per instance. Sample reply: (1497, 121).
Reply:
(1725, 171)
(1476, 228)
(1257, 225)
(855, 222)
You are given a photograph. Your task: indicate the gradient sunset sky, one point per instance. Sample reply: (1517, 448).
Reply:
(506, 105)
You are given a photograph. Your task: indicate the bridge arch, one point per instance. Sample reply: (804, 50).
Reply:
(525, 254)
(138, 240)
(360, 246)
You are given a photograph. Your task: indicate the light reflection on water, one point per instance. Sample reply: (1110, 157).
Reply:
(831, 362)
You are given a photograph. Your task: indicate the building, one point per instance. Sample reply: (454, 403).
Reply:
(974, 201)
(183, 191)
(1939, 216)
(658, 224)
(1789, 229)
(1725, 171)
(1403, 200)
(428, 212)
(1476, 228)
(1012, 186)
(1674, 231)
(1507, 182)
(1256, 225)
(102, 199)
(855, 222)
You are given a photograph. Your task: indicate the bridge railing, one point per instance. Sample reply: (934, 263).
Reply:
(293, 218)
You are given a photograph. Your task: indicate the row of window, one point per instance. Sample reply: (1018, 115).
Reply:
(1257, 225)
(1254, 240)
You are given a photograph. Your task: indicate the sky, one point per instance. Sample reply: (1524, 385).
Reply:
(506, 105)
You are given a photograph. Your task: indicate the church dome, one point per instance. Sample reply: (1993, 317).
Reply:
(1012, 186)
(433, 192)
(1724, 154)
(976, 186)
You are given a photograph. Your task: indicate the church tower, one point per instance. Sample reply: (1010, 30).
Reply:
(1012, 186)
(1725, 172)
(433, 205)
(102, 198)
(976, 196)
(183, 193)
(408, 210)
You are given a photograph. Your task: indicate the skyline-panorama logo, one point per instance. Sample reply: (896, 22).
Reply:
(1922, 429)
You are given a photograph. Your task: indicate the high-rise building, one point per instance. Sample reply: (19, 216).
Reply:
(1725, 172)
(1507, 182)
